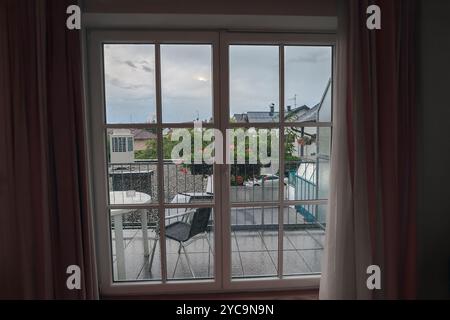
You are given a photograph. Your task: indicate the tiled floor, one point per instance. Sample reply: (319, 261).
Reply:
(254, 254)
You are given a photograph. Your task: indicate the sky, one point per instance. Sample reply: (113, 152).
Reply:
(186, 80)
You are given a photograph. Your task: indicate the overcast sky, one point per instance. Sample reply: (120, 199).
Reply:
(186, 80)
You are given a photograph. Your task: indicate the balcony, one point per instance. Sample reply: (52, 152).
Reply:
(254, 229)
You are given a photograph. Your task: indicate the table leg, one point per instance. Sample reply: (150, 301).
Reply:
(120, 249)
(145, 232)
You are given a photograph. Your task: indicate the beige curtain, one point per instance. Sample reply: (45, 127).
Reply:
(347, 249)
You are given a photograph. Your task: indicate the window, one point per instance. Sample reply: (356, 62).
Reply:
(115, 143)
(175, 220)
(130, 145)
(119, 144)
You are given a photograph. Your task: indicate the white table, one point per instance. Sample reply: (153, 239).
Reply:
(127, 198)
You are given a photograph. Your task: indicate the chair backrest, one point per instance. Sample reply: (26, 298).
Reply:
(199, 223)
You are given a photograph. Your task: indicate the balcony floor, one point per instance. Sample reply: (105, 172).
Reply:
(254, 254)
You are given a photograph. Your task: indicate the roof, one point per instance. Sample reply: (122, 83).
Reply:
(310, 115)
(267, 116)
(240, 117)
(263, 116)
(142, 134)
(296, 113)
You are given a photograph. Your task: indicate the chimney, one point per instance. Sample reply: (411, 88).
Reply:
(289, 108)
(272, 109)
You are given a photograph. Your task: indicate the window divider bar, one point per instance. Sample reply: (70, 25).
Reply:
(161, 210)
(305, 202)
(309, 124)
(132, 206)
(196, 205)
(281, 164)
(131, 126)
(254, 204)
(224, 124)
(188, 125)
(256, 125)
(181, 125)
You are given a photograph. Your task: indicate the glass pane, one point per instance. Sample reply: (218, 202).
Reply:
(188, 178)
(254, 242)
(254, 83)
(254, 164)
(186, 83)
(307, 163)
(132, 166)
(304, 237)
(308, 83)
(133, 234)
(130, 83)
(190, 243)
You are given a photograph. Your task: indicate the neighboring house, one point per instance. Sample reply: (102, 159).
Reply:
(261, 116)
(321, 112)
(125, 142)
(313, 171)
(141, 138)
(258, 116)
(121, 144)
(240, 117)
(294, 114)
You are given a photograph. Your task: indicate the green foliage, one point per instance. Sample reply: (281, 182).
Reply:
(246, 171)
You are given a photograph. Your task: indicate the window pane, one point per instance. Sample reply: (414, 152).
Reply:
(254, 165)
(130, 83)
(115, 145)
(130, 144)
(188, 178)
(186, 81)
(190, 243)
(133, 234)
(307, 163)
(254, 242)
(132, 171)
(304, 237)
(307, 83)
(254, 83)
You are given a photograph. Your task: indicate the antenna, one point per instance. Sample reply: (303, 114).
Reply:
(295, 100)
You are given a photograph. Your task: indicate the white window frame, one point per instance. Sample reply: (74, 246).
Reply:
(98, 162)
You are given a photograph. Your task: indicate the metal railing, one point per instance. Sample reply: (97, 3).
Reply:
(246, 186)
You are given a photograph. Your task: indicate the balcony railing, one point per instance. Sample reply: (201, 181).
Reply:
(185, 184)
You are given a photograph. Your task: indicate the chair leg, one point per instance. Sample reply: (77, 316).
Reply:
(153, 254)
(188, 262)
(209, 244)
(210, 252)
(178, 259)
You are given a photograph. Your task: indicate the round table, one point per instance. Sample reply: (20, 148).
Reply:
(127, 198)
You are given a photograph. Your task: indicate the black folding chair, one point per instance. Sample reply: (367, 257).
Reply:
(184, 232)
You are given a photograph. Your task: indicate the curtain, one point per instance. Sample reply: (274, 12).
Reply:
(372, 207)
(45, 221)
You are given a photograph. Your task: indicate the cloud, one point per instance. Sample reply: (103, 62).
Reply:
(130, 63)
(147, 69)
(308, 55)
(121, 84)
(254, 79)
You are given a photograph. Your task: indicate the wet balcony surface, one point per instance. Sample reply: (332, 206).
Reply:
(254, 254)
